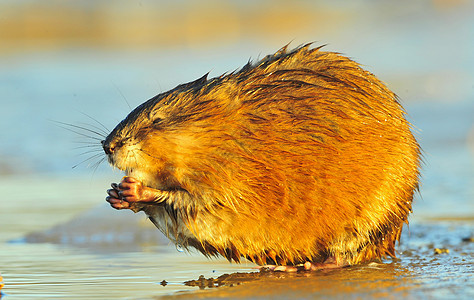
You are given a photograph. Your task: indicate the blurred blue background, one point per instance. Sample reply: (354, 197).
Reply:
(63, 59)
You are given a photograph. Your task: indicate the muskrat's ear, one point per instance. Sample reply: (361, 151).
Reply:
(157, 121)
(156, 115)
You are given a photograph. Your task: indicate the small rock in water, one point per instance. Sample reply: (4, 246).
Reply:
(441, 250)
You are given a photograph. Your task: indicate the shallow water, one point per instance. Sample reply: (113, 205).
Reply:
(94, 268)
(58, 239)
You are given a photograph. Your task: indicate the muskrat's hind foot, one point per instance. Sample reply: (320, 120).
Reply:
(329, 263)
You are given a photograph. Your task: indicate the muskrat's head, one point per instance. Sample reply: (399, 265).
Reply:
(133, 145)
(149, 143)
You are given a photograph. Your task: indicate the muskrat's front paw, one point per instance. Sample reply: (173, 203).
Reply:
(130, 190)
(115, 199)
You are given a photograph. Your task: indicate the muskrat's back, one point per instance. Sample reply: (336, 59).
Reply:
(303, 156)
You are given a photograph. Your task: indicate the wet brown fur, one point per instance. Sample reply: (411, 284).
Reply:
(302, 156)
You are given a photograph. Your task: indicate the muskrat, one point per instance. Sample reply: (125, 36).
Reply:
(300, 158)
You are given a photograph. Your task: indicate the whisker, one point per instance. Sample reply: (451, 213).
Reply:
(123, 96)
(128, 156)
(141, 150)
(93, 133)
(87, 143)
(68, 126)
(136, 160)
(139, 153)
(96, 165)
(98, 122)
(100, 130)
(91, 151)
(88, 159)
(88, 146)
(82, 134)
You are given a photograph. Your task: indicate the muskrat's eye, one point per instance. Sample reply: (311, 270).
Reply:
(119, 144)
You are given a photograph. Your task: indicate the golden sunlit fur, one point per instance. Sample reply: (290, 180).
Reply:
(302, 156)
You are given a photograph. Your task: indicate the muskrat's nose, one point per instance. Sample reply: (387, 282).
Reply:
(108, 147)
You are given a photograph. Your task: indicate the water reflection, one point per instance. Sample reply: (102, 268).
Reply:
(373, 280)
(39, 269)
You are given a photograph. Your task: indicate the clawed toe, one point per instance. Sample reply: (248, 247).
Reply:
(117, 203)
(274, 268)
(307, 266)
